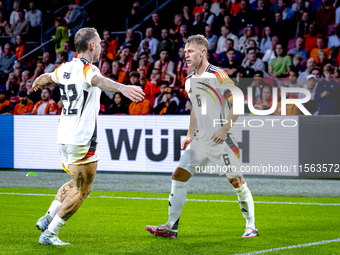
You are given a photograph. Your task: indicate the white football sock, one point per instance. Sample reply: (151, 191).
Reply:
(176, 201)
(56, 225)
(52, 211)
(247, 204)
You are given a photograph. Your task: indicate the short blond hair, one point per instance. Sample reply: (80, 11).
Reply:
(199, 40)
(297, 57)
(83, 38)
(328, 68)
(322, 51)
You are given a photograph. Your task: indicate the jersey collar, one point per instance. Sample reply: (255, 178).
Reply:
(84, 60)
(206, 70)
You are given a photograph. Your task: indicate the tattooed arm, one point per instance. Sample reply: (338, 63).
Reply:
(106, 84)
(43, 80)
(134, 93)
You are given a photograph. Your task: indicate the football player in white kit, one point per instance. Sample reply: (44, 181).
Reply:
(81, 84)
(205, 141)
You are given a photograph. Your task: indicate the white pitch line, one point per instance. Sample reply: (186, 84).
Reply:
(191, 200)
(291, 247)
(27, 194)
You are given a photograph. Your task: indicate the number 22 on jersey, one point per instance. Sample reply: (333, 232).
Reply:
(68, 95)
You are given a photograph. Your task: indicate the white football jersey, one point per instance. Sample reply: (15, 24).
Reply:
(78, 121)
(210, 100)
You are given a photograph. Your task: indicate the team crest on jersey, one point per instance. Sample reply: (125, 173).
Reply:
(66, 75)
(212, 89)
(205, 82)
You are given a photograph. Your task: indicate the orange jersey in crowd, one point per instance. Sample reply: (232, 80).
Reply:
(314, 53)
(151, 88)
(197, 9)
(235, 8)
(33, 77)
(163, 111)
(140, 108)
(126, 69)
(19, 51)
(338, 58)
(146, 69)
(184, 93)
(4, 103)
(163, 67)
(291, 109)
(50, 108)
(261, 102)
(182, 72)
(111, 50)
(310, 41)
(22, 109)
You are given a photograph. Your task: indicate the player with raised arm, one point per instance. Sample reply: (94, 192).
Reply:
(204, 141)
(80, 85)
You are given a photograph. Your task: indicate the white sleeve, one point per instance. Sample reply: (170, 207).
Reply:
(91, 71)
(11, 18)
(236, 42)
(187, 86)
(141, 46)
(54, 75)
(211, 19)
(171, 67)
(266, 57)
(330, 42)
(219, 47)
(40, 15)
(153, 46)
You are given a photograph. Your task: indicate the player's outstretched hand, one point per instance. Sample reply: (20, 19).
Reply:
(35, 86)
(134, 93)
(219, 136)
(185, 143)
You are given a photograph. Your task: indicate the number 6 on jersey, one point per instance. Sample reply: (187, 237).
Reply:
(202, 102)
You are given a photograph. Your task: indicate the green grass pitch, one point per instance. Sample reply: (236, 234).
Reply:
(117, 226)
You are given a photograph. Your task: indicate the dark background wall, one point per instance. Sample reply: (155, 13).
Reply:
(319, 141)
(113, 14)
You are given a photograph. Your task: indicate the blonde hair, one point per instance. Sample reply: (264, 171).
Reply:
(328, 68)
(199, 40)
(297, 57)
(14, 75)
(322, 51)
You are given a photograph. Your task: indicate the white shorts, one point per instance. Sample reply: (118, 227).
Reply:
(78, 154)
(225, 158)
